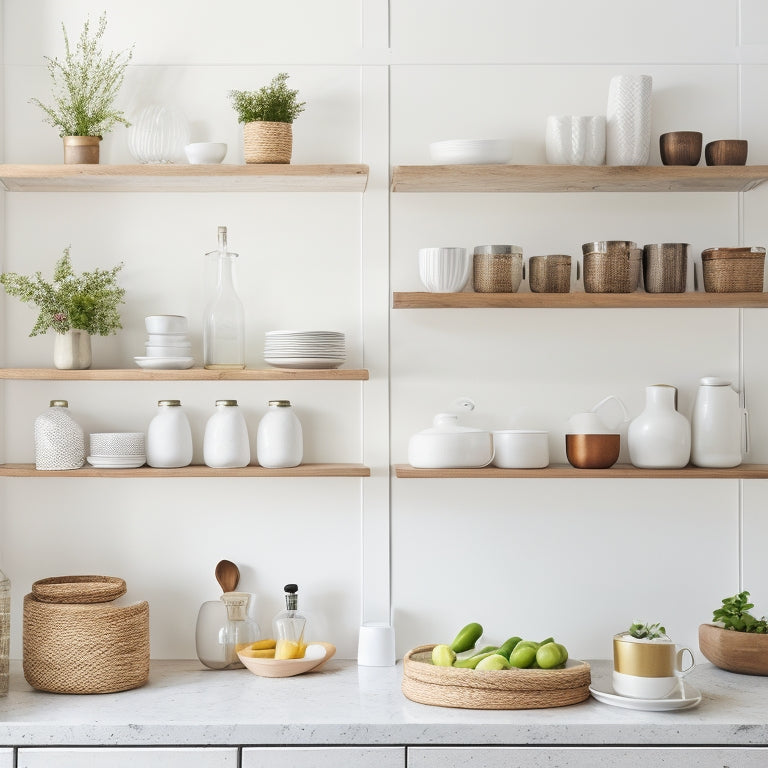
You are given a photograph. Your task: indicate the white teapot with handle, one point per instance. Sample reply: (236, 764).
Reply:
(716, 424)
(590, 422)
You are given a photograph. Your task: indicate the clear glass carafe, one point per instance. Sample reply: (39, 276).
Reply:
(224, 322)
(224, 627)
(289, 627)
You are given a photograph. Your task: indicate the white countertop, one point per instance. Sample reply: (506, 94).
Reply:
(186, 704)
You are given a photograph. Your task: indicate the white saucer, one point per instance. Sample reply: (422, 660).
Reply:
(165, 363)
(308, 363)
(101, 462)
(604, 692)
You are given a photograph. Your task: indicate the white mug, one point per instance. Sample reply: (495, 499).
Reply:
(648, 669)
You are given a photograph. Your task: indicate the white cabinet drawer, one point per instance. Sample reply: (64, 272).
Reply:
(323, 757)
(6, 757)
(128, 757)
(587, 757)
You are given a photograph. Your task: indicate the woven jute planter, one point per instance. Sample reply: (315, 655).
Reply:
(81, 149)
(497, 268)
(612, 266)
(76, 640)
(550, 274)
(266, 142)
(493, 689)
(665, 267)
(733, 270)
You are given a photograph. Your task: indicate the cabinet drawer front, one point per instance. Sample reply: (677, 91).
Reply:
(6, 757)
(128, 757)
(323, 757)
(587, 757)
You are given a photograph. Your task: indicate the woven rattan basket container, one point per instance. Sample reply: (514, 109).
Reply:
(266, 142)
(665, 267)
(733, 270)
(498, 689)
(612, 266)
(550, 274)
(86, 645)
(497, 268)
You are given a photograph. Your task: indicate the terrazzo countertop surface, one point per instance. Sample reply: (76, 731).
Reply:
(186, 704)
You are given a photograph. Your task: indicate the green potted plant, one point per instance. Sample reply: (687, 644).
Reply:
(736, 640)
(74, 306)
(85, 85)
(267, 116)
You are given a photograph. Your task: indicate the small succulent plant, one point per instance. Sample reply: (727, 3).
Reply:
(647, 631)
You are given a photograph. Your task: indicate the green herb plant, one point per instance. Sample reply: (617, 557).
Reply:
(85, 85)
(646, 631)
(734, 614)
(88, 301)
(275, 103)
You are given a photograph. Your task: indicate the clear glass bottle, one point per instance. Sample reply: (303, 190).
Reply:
(224, 322)
(225, 442)
(169, 436)
(5, 631)
(279, 439)
(224, 627)
(289, 627)
(59, 439)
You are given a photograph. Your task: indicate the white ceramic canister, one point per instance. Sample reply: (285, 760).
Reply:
(660, 437)
(448, 444)
(59, 439)
(225, 443)
(169, 436)
(520, 448)
(279, 439)
(716, 424)
(628, 120)
(575, 140)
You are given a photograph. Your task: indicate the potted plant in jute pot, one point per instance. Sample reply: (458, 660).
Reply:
(85, 85)
(74, 306)
(267, 116)
(736, 640)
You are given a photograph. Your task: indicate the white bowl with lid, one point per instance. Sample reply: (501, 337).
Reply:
(448, 444)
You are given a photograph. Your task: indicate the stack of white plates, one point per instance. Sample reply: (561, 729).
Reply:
(479, 151)
(304, 349)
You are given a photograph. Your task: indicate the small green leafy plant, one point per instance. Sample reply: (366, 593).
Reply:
(85, 85)
(734, 614)
(88, 302)
(274, 103)
(646, 631)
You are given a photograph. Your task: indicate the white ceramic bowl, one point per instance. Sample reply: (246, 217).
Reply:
(168, 339)
(444, 270)
(205, 152)
(166, 324)
(168, 351)
(448, 444)
(471, 151)
(520, 448)
(117, 444)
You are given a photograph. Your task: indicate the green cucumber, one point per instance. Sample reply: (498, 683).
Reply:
(472, 661)
(508, 646)
(467, 638)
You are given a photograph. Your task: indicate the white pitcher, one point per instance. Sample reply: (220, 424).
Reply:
(660, 437)
(716, 420)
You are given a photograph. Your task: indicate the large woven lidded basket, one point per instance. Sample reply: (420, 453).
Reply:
(612, 266)
(76, 640)
(267, 142)
(493, 689)
(733, 270)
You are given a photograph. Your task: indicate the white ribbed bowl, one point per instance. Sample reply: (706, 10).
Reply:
(444, 270)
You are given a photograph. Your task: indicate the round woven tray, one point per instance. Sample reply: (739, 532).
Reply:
(499, 689)
(78, 589)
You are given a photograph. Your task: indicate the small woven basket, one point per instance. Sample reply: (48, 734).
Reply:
(612, 266)
(733, 270)
(498, 689)
(550, 274)
(665, 267)
(497, 268)
(267, 142)
(87, 645)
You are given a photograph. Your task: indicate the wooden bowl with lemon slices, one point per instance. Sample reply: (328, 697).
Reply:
(426, 683)
(315, 655)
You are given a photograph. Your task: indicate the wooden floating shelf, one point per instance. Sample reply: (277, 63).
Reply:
(184, 178)
(576, 178)
(190, 374)
(617, 471)
(638, 299)
(196, 470)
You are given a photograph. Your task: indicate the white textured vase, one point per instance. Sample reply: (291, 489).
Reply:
(660, 437)
(72, 350)
(575, 140)
(628, 120)
(59, 439)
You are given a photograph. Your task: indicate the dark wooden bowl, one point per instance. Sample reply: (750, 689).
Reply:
(742, 652)
(726, 152)
(680, 147)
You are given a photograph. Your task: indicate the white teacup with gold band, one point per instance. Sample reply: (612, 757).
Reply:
(648, 668)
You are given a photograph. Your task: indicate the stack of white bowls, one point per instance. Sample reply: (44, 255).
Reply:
(304, 349)
(117, 450)
(168, 345)
(471, 151)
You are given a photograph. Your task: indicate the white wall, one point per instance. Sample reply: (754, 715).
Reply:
(574, 558)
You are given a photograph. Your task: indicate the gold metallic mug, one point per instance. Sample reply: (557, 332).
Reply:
(647, 669)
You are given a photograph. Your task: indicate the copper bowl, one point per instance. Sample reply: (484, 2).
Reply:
(726, 152)
(742, 652)
(680, 147)
(592, 451)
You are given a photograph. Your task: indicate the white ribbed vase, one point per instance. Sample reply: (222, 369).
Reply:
(628, 120)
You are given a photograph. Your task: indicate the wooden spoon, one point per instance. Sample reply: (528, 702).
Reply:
(228, 575)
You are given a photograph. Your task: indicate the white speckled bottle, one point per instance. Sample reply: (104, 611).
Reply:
(59, 439)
